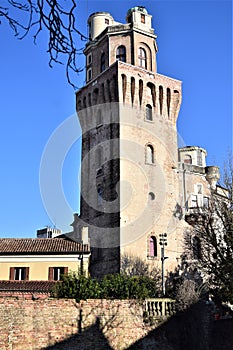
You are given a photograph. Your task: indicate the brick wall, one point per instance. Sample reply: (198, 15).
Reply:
(40, 324)
(51, 324)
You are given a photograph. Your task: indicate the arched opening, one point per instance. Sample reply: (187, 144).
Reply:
(168, 101)
(161, 99)
(140, 91)
(142, 61)
(153, 246)
(148, 112)
(132, 89)
(153, 93)
(121, 53)
(84, 102)
(124, 85)
(95, 96)
(152, 196)
(149, 154)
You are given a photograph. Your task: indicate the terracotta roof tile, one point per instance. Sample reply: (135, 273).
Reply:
(26, 286)
(40, 246)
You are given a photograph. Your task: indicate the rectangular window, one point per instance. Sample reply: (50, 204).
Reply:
(194, 201)
(206, 202)
(19, 273)
(107, 21)
(199, 188)
(55, 273)
(142, 18)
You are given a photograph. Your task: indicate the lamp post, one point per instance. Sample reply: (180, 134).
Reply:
(163, 243)
(80, 257)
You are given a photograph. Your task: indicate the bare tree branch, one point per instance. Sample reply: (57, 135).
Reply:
(57, 17)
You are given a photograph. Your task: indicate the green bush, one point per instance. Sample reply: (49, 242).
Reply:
(118, 286)
(75, 286)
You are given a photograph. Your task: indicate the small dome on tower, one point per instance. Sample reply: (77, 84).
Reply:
(137, 8)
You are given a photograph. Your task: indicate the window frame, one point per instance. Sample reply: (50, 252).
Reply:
(152, 247)
(55, 271)
(121, 56)
(142, 58)
(19, 273)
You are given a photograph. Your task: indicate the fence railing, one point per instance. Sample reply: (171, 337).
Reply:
(160, 307)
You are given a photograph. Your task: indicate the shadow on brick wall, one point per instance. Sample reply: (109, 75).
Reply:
(90, 338)
(185, 330)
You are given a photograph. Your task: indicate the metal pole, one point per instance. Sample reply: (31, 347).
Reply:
(163, 242)
(163, 281)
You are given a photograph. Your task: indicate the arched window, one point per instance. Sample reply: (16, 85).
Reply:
(161, 99)
(151, 196)
(89, 74)
(121, 53)
(149, 154)
(102, 68)
(153, 246)
(148, 112)
(142, 58)
(187, 159)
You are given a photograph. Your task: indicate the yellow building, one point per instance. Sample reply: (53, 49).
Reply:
(27, 260)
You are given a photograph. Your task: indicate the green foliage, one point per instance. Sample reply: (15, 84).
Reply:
(77, 287)
(118, 286)
(122, 286)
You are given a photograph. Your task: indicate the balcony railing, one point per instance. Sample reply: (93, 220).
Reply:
(160, 307)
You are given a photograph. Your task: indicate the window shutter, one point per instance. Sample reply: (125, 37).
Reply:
(26, 273)
(12, 273)
(65, 270)
(50, 273)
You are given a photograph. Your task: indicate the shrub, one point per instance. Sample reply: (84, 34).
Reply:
(118, 286)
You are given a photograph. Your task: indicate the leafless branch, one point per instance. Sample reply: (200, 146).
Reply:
(59, 22)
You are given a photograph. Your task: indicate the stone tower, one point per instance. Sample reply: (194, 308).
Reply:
(128, 114)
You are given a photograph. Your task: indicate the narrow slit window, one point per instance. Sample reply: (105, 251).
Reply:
(103, 66)
(149, 154)
(148, 112)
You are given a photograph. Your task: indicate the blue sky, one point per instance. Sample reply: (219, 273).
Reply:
(195, 46)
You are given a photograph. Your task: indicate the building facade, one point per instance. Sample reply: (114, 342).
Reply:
(135, 185)
(41, 259)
